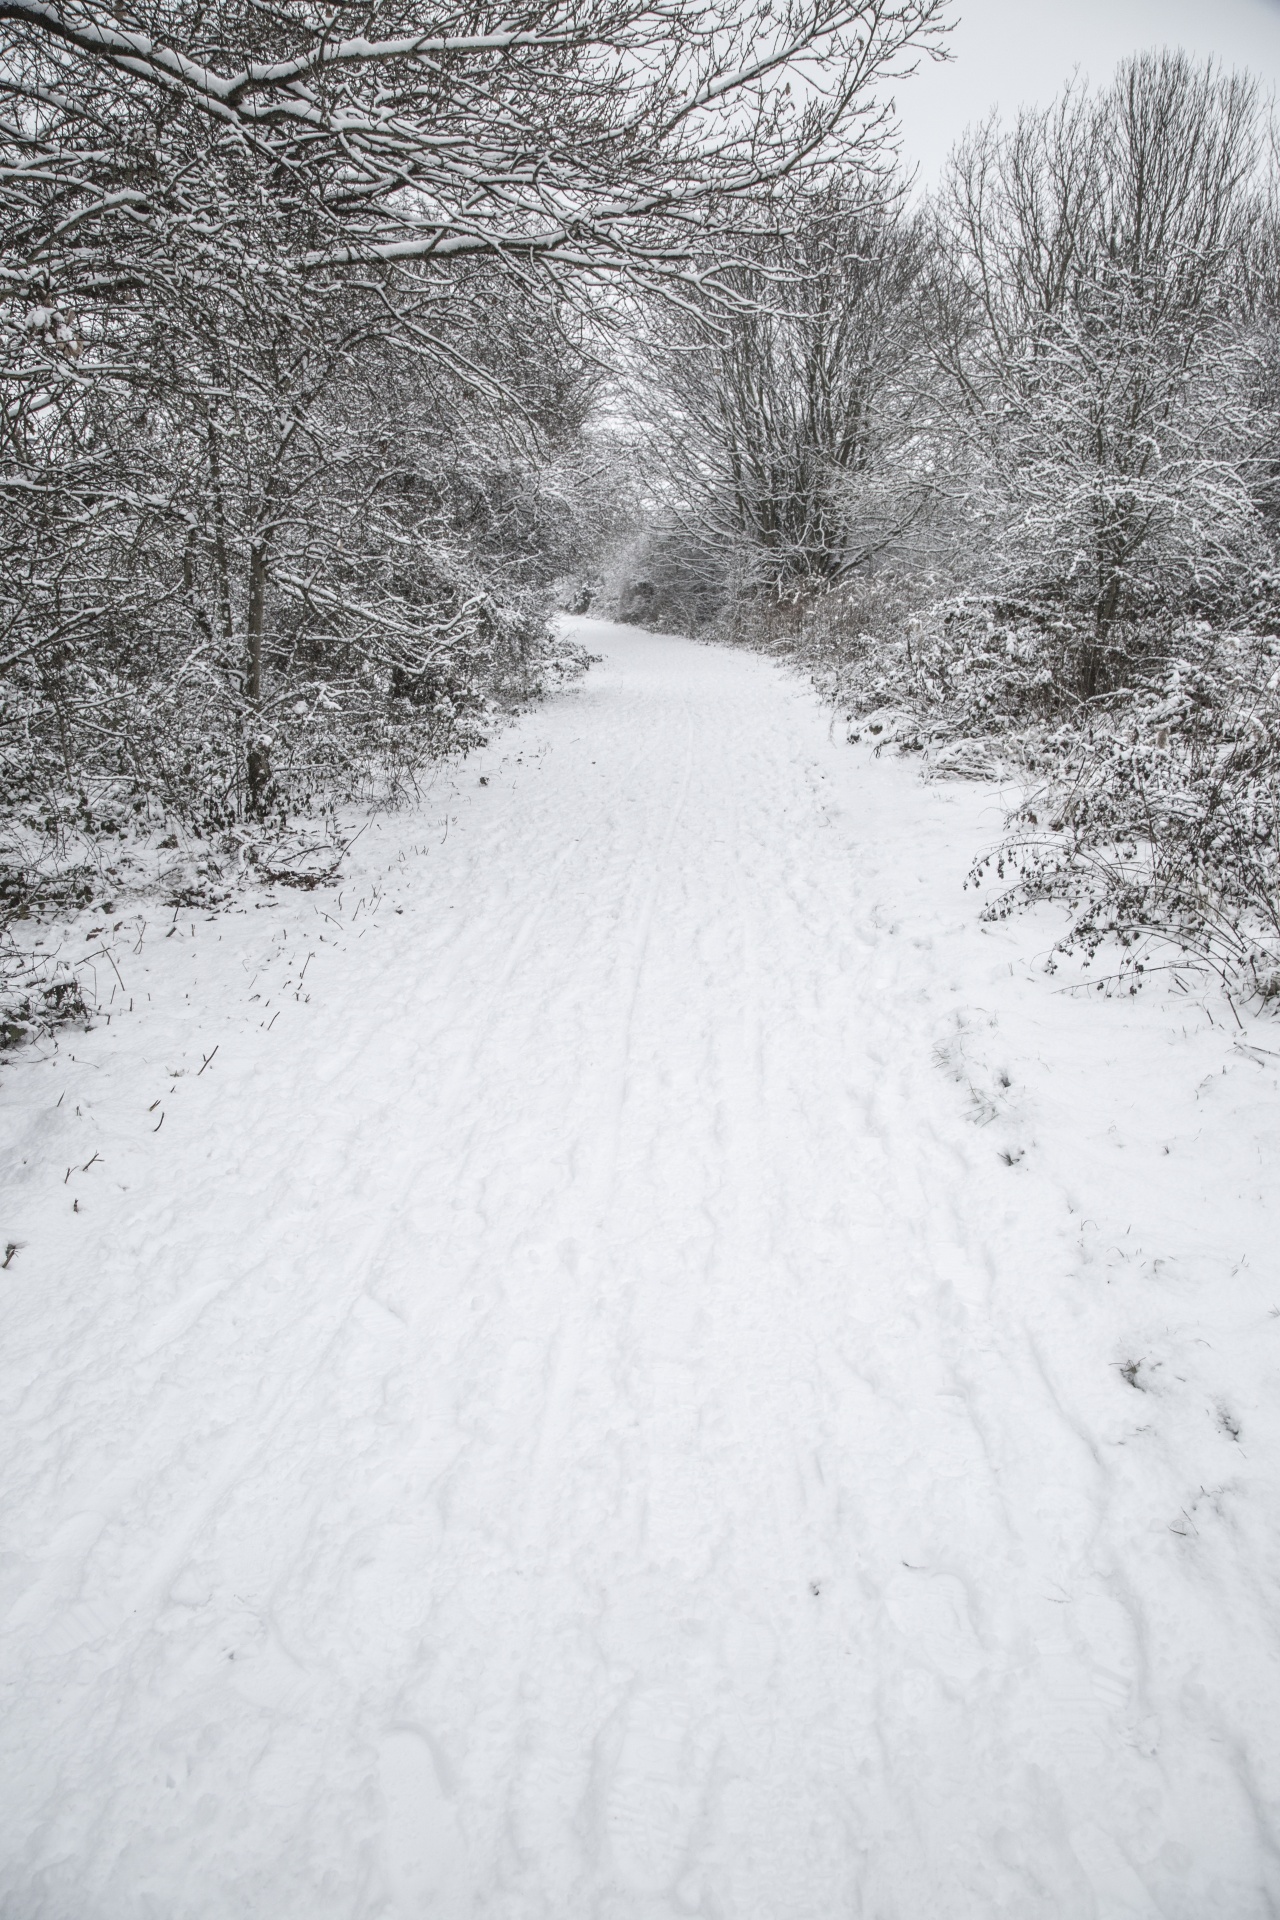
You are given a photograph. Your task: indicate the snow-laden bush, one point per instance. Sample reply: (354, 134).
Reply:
(963, 666)
(1158, 820)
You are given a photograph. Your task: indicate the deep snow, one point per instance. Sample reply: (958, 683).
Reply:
(661, 1369)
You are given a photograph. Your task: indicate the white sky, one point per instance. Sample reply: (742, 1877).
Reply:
(1008, 52)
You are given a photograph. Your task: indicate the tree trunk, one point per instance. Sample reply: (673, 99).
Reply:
(259, 757)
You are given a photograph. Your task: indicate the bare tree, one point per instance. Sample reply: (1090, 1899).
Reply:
(788, 431)
(592, 135)
(1089, 320)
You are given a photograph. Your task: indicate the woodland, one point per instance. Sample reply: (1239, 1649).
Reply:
(340, 352)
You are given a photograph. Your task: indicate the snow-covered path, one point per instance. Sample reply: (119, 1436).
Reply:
(682, 1380)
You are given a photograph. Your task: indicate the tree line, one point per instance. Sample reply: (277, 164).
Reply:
(1055, 379)
(299, 340)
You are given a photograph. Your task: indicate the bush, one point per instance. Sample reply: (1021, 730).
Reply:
(1158, 823)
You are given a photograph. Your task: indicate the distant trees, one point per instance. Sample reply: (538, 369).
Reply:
(788, 412)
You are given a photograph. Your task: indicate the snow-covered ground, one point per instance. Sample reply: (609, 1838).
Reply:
(661, 1368)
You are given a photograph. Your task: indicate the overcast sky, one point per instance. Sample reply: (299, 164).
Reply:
(1012, 51)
